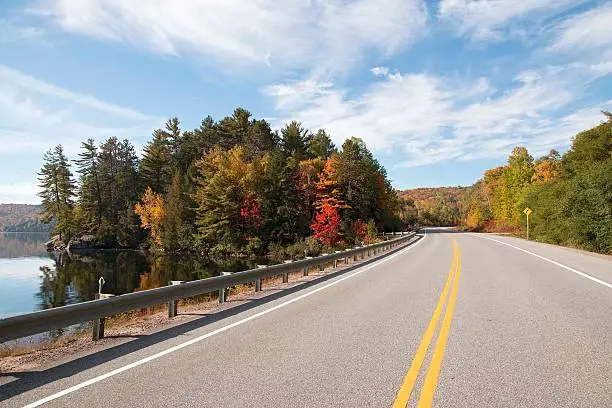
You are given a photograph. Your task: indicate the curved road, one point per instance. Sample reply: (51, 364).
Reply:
(455, 320)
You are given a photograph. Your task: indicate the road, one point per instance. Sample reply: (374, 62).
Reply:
(507, 328)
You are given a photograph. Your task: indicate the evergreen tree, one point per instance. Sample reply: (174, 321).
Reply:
(57, 192)
(176, 233)
(294, 140)
(320, 145)
(90, 196)
(156, 163)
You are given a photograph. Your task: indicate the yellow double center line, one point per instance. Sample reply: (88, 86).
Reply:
(431, 380)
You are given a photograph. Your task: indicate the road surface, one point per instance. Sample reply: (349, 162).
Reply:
(455, 320)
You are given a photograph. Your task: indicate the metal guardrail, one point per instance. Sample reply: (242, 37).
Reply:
(96, 310)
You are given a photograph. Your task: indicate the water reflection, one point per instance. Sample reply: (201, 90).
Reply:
(31, 279)
(19, 245)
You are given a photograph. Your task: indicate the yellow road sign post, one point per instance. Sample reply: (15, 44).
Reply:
(527, 211)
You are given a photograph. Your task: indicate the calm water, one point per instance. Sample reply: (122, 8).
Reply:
(31, 279)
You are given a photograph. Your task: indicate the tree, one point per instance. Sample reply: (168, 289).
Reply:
(118, 173)
(547, 168)
(176, 231)
(151, 211)
(326, 225)
(90, 195)
(155, 166)
(320, 145)
(57, 192)
(220, 194)
(293, 140)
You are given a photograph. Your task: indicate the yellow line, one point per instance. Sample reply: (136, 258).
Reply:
(431, 381)
(405, 390)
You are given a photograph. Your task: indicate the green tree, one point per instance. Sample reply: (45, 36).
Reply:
(57, 192)
(294, 140)
(320, 145)
(155, 166)
(90, 190)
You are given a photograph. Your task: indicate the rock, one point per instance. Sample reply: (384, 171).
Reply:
(55, 244)
(83, 242)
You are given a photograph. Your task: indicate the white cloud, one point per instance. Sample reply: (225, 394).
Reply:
(587, 31)
(18, 193)
(432, 118)
(326, 35)
(13, 33)
(35, 115)
(380, 71)
(491, 20)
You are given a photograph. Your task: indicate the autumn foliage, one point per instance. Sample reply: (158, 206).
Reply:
(151, 212)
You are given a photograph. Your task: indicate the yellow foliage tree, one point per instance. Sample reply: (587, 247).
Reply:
(151, 211)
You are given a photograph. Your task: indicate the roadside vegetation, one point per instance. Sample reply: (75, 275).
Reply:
(229, 187)
(570, 195)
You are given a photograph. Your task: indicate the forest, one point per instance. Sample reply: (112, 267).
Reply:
(570, 194)
(436, 206)
(21, 218)
(229, 187)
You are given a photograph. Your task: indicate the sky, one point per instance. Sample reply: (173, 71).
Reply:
(440, 91)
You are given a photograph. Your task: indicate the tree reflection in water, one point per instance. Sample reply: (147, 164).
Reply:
(75, 276)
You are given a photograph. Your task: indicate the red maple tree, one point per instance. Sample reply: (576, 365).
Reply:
(326, 225)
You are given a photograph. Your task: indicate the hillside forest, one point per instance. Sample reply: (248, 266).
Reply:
(21, 218)
(232, 186)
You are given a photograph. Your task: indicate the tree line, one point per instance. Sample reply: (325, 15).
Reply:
(232, 186)
(570, 194)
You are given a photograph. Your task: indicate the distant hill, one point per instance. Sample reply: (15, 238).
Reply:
(441, 206)
(21, 218)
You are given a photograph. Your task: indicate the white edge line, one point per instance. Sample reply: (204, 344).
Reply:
(569, 268)
(207, 335)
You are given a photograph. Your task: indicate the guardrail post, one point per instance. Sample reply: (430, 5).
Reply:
(173, 304)
(98, 324)
(258, 280)
(322, 264)
(336, 260)
(286, 275)
(223, 292)
(306, 269)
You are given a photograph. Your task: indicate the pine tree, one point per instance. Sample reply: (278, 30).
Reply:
(156, 163)
(320, 145)
(294, 139)
(90, 197)
(175, 232)
(57, 192)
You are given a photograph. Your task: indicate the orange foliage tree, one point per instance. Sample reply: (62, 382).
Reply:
(151, 211)
(326, 225)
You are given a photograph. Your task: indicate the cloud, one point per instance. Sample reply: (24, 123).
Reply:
(34, 115)
(590, 30)
(435, 118)
(380, 71)
(21, 193)
(13, 33)
(493, 20)
(326, 36)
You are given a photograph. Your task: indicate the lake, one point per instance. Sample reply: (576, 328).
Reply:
(32, 279)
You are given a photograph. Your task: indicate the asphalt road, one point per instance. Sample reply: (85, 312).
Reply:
(507, 328)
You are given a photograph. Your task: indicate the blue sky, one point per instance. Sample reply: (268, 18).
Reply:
(439, 90)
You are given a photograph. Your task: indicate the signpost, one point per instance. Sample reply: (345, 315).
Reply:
(527, 211)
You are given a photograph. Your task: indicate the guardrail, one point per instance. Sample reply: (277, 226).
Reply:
(96, 310)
